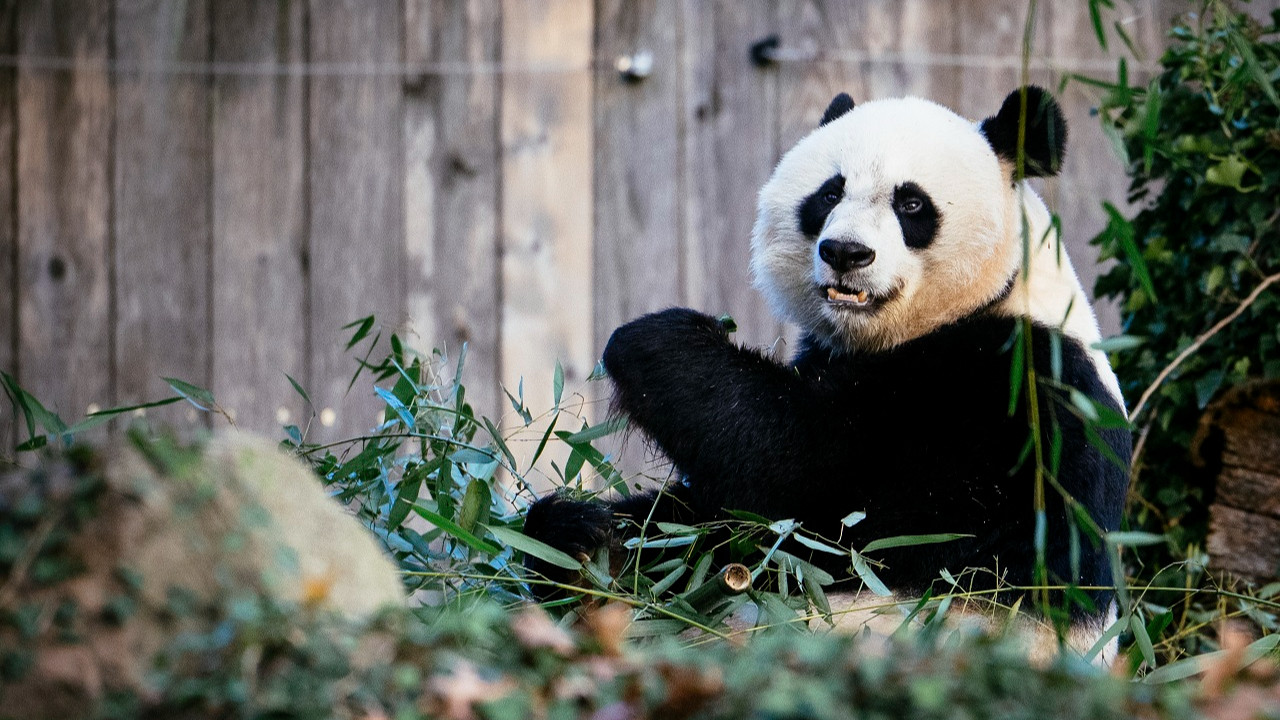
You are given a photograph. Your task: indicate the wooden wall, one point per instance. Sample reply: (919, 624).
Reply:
(210, 189)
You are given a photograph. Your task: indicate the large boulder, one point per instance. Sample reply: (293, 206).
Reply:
(106, 558)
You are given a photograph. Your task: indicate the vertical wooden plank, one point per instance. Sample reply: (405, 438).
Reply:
(638, 166)
(356, 245)
(162, 204)
(990, 36)
(639, 188)
(8, 219)
(259, 215)
(888, 30)
(63, 207)
(451, 184)
(731, 146)
(546, 196)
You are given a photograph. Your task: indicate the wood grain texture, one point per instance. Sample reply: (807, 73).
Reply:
(162, 203)
(731, 146)
(547, 155)
(451, 184)
(1239, 439)
(63, 208)
(886, 30)
(1243, 543)
(259, 216)
(637, 226)
(356, 214)
(9, 340)
(989, 35)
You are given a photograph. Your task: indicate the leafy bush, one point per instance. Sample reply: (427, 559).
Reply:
(1193, 266)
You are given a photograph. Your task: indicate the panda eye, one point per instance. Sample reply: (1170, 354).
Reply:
(831, 198)
(910, 206)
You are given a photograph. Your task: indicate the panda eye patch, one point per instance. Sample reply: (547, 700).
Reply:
(814, 208)
(916, 214)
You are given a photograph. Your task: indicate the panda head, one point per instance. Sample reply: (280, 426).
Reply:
(896, 217)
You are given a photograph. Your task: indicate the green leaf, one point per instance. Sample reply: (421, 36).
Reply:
(853, 518)
(1194, 665)
(557, 383)
(868, 577)
(818, 545)
(1259, 73)
(595, 432)
(661, 542)
(542, 444)
(1095, 18)
(396, 406)
(406, 493)
(467, 455)
(1118, 343)
(496, 436)
(1142, 640)
(363, 327)
(298, 389)
(457, 531)
(475, 505)
(1207, 386)
(671, 528)
(94, 419)
(668, 580)
(536, 548)
(910, 540)
(1122, 231)
(1229, 172)
(199, 397)
(1134, 538)
(517, 403)
(1084, 404)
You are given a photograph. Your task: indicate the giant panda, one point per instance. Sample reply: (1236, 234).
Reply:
(894, 236)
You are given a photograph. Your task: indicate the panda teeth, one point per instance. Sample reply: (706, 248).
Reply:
(858, 298)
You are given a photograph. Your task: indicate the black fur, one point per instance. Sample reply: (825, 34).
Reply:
(840, 105)
(813, 210)
(1045, 140)
(919, 437)
(919, 222)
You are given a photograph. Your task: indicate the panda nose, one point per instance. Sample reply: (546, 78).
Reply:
(845, 255)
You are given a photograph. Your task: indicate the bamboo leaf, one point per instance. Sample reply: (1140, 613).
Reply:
(536, 548)
(868, 577)
(467, 538)
(909, 540)
(199, 397)
(813, 544)
(595, 432)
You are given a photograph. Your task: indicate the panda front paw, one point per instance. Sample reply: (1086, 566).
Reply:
(660, 342)
(577, 528)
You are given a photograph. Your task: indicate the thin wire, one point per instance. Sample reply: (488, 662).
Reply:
(54, 63)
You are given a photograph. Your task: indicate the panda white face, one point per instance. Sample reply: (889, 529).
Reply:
(892, 219)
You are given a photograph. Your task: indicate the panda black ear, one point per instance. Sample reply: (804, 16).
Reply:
(1045, 141)
(840, 105)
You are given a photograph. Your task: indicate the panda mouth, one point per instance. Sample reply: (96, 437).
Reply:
(849, 297)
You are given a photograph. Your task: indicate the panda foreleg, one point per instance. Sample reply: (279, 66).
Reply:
(736, 424)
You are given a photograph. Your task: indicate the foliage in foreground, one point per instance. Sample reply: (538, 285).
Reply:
(481, 662)
(249, 656)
